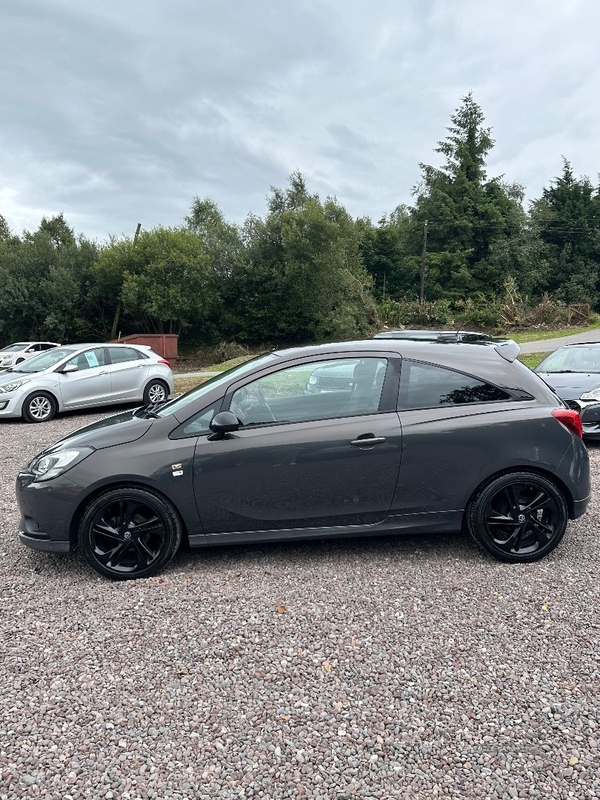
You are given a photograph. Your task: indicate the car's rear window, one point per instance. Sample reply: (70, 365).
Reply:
(428, 386)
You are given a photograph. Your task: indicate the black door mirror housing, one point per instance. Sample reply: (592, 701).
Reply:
(224, 422)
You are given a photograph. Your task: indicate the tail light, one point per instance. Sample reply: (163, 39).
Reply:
(570, 419)
(164, 361)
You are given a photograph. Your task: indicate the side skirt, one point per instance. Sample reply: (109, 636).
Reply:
(442, 522)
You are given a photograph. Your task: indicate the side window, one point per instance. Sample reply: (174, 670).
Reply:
(198, 424)
(320, 390)
(429, 386)
(118, 355)
(88, 359)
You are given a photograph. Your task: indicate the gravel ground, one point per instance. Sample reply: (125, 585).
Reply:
(390, 668)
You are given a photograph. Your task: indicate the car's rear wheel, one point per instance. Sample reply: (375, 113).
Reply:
(156, 392)
(39, 407)
(129, 533)
(519, 517)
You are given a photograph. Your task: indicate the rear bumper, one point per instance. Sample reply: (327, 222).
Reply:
(580, 507)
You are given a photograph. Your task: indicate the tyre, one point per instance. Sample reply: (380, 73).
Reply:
(519, 517)
(129, 533)
(39, 407)
(156, 391)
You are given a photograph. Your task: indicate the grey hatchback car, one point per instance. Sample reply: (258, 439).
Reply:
(430, 437)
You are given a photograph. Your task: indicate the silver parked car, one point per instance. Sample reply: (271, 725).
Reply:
(16, 353)
(84, 375)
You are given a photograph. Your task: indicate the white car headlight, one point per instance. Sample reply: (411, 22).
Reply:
(51, 465)
(593, 395)
(13, 385)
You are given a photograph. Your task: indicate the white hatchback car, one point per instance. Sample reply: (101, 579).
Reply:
(83, 375)
(15, 353)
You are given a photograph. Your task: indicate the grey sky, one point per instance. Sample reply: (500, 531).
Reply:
(121, 112)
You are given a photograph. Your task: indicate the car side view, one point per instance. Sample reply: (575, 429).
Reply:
(82, 376)
(14, 354)
(430, 437)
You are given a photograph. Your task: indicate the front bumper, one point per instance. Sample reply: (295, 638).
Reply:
(11, 404)
(47, 512)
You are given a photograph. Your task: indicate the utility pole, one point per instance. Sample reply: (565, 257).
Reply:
(423, 263)
(115, 326)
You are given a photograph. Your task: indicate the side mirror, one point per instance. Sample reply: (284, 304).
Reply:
(224, 422)
(69, 368)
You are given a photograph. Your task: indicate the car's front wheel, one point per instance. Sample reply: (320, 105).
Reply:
(519, 517)
(156, 392)
(39, 407)
(129, 532)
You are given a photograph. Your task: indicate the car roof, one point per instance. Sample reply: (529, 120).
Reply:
(413, 348)
(439, 335)
(101, 344)
(578, 344)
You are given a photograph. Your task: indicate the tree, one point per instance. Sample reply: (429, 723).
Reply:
(4, 230)
(304, 278)
(567, 220)
(45, 277)
(162, 279)
(386, 254)
(466, 213)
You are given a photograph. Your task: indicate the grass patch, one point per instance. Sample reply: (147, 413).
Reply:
(531, 360)
(536, 336)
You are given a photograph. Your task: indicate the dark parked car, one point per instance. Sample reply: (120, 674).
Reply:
(432, 437)
(573, 371)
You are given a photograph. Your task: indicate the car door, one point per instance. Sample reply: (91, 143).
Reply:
(128, 370)
(89, 384)
(303, 461)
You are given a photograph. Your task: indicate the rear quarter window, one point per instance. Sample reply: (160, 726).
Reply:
(430, 386)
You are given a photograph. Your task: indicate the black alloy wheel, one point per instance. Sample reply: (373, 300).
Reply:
(519, 517)
(156, 392)
(39, 407)
(129, 533)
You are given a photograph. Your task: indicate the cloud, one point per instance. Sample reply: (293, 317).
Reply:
(116, 113)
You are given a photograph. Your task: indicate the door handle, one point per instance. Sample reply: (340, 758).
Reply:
(104, 372)
(367, 441)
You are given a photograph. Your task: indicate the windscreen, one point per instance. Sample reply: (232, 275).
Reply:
(222, 378)
(15, 348)
(572, 359)
(44, 360)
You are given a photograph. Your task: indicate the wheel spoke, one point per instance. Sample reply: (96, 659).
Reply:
(103, 528)
(112, 558)
(144, 554)
(152, 525)
(538, 502)
(502, 519)
(542, 531)
(512, 542)
(126, 509)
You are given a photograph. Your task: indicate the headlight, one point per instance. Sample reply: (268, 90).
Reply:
(10, 387)
(312, 380)
(51, 465)
(593, 395)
